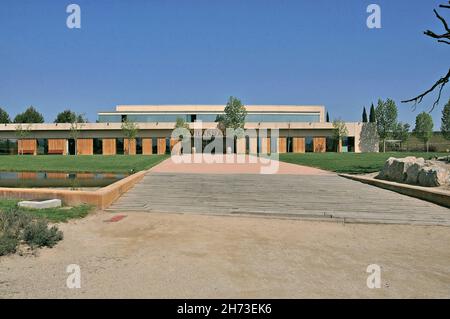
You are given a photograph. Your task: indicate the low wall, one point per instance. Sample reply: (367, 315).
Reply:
(100, 198)
(430, 194)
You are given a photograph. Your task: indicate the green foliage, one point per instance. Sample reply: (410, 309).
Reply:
(364, 115)
(31, 115)
(37, 234)
(401, 131)
(181, 123)
(8, 244)
(386, 117)
(351, 163)
(30, 226)
(129, 129)
(22, 132)
(34, 232)
(424, 127)
(372, 117)
(4, 117)
(234, 116)
(445, 121)
(67, 116)
(339, 131)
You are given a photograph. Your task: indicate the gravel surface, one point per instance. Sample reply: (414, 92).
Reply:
(151, 255)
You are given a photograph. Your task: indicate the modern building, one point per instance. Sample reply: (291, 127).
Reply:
(301, 129)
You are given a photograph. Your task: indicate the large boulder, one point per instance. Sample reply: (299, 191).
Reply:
(412, 173)
(396, 169)
(433, 175)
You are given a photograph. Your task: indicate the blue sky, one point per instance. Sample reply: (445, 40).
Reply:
(201, 52)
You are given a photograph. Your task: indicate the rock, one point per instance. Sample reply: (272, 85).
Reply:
(432, 176)
(41, 205)
(412, 173)
(385, 171)
(395, 169)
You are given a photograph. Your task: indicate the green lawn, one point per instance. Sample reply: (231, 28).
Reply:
(54, 215)
(353, 163)
(82, 163)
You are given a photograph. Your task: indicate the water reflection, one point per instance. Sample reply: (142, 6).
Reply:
(58, 179)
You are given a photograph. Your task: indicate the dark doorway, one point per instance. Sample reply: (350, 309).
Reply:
(71, 146)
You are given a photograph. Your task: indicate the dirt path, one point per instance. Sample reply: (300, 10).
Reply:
(193, 256)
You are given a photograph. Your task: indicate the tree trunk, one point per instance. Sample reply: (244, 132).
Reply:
(426, 143)
(384, 145)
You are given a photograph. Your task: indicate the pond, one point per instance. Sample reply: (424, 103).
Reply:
(57, 179)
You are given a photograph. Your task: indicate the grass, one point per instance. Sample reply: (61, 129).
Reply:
(54, 215)
(351, 163)
(79, 164)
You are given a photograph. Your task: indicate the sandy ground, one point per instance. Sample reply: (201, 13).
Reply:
(197, 256)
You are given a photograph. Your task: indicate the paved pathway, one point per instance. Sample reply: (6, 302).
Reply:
(313, 196)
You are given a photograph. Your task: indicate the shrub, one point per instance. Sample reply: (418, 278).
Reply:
(13, 221)
(37, 234)
(16, 225)
(8, 244)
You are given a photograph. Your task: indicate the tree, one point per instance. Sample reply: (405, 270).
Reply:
(386, 118)
(31, 115)
(339, 131)
(445, 121)
(67, 116)
(372, 117)
(4, 117)
(441, 38)
(181, 123)
(401, 132)
(364, 115)
(22, 133)
(234, 116)
(75, 130)
(424, 127)
(328, 118)
(130, 130)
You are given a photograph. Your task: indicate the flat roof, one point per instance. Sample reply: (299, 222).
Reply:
(219, 108)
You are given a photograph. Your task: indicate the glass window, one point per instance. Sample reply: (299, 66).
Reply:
(309, 144)
(351, 143)
(138, 145)
(98, 146)
(119, 146)
(331, 144)
(167, 145)
(289, 144)
(42, 146)
(8, 146)
(109, 118)
(154, 145)
(283, 117)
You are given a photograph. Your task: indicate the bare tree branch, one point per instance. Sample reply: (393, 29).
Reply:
(439, 36)
(442, 38)
(440, 83)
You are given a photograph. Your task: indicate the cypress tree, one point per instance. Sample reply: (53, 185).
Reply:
(364, 115)
(328, 118)
(372, 118)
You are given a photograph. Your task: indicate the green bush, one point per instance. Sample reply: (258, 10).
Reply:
(13, 221)
(16, 226)
(37, 234)
(8, 244)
